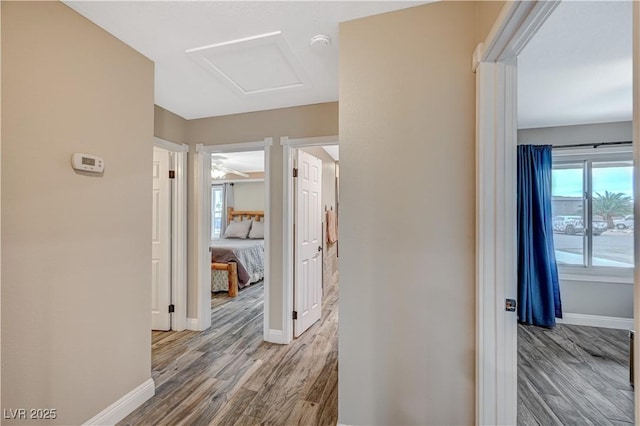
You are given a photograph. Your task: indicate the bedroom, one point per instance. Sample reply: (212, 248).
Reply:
(575, 126)
(238, 199)
(237, 221)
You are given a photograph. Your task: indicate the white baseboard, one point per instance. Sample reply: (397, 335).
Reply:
(597, 321)
(275, 336)
(193, 324)
(125, 405)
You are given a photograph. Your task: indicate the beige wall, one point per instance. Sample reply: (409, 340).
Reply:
(248, 196)
(296, 122)
(75, 248)
(407, 310)
(487, 12)
(169, 126)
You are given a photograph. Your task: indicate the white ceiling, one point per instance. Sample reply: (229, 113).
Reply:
(192, 88)
(251, 161)
(578, 67)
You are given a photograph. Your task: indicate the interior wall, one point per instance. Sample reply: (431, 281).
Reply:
(296, 122)
(612, 297)
(76, 247)
(569, 135)
(407, 315)
(487, 12)
(248, 196)
(169, 126)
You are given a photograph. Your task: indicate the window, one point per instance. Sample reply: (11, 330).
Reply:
(217, 205)
(593, 209)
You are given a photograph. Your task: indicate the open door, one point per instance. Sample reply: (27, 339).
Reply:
(161, 242)
(307, 288)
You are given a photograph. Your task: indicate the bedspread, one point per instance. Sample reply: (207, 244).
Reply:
(249, 254)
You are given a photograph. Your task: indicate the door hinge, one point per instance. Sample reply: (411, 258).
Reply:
(295, 172)
(295, 315)
(172, 308)
(172, 174)
(510, 305)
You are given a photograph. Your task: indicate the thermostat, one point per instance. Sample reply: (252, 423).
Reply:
(87, 162)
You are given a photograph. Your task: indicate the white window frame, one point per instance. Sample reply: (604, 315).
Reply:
(589, 272)
(215, 186)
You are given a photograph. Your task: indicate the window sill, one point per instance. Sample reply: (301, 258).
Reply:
(586, 276)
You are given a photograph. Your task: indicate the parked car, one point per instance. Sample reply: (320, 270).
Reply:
(625, 223)
(572, 225)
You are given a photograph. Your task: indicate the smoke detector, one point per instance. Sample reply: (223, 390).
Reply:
(320, 41)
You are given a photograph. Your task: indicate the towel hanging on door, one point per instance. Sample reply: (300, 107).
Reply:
(332, 227)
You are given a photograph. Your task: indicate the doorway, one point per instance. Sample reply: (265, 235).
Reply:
(213, 222)
(325, 148)
(169, 231)
(495, 64)
(582, 353)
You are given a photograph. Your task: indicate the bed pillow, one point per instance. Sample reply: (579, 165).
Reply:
(237, 229)
(257, 230)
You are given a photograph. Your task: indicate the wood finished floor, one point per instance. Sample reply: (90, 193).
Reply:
(573, 375)
(227, 375)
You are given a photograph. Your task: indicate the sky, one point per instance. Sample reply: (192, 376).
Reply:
(568, 182)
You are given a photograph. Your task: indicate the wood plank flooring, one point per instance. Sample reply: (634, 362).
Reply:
(573, 375)
(227, 375)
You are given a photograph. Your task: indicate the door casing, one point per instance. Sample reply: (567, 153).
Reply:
(202, 199)
(288, 148)
(178, 232)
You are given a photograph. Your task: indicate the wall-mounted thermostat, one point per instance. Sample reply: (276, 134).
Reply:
(87, 163)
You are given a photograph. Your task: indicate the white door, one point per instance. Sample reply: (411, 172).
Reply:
(307, 288)
(161, 242)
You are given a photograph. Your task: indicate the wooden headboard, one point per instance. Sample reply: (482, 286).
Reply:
(244, 215)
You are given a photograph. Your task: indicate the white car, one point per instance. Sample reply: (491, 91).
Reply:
(572, 225)
(625, 223)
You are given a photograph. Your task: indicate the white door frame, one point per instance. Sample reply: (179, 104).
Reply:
(178, 232)
(203, 223)
(636, 185)
(288, 146)
(495, 63)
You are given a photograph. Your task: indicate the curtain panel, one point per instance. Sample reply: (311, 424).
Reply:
(538, 285)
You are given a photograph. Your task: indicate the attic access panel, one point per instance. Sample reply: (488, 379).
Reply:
(253, 65)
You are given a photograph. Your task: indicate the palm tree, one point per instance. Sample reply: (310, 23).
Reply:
(612, 204)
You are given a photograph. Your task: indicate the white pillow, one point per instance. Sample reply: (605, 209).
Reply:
(237, 229)
(257, 230)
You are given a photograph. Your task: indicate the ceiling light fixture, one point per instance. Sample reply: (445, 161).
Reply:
(320, 41)
(217, 174)
(220, 170)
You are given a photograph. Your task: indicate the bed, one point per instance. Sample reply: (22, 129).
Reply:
(238, 262)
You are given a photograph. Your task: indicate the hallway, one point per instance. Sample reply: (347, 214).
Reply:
(227, 375)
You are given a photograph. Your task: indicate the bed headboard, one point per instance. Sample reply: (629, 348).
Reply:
(244, 215)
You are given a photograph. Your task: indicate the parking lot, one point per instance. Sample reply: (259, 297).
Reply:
(609, 249)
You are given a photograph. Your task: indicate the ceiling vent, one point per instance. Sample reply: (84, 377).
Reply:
(254, 65)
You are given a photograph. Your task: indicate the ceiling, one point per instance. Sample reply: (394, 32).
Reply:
(225, 57)
(251, 161)
(333, 151)
(578, 67)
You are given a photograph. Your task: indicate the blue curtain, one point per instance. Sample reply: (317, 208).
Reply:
(538, 288)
